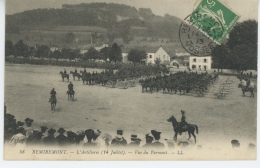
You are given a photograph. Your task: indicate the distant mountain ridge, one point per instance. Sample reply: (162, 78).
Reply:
(96, 14)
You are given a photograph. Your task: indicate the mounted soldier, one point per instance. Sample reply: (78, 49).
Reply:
(183, 123)
(53, 93)
(53, 99)
(76, 71)
(65, 72)
(70, 86)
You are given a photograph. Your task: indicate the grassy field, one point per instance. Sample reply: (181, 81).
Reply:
(27, 89)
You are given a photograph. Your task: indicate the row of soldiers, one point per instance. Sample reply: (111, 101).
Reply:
(123, 72)
(180, 81)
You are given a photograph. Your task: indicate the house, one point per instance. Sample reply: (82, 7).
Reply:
(200, 63)
(153, 53)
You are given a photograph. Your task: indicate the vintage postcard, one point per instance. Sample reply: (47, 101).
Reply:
(130, 80)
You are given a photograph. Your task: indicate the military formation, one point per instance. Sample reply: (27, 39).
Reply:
(182, 82)
(122, 73)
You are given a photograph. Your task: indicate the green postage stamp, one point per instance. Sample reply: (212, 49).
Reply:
(214, 19)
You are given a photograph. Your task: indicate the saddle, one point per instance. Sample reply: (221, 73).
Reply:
(183, 127)
(52, 98)
(71, 91)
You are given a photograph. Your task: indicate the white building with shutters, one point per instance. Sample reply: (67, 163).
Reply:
(200, 63)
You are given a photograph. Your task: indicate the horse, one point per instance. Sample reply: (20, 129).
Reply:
(246, 88)
(64, 76)
(70, 94)
(75, 74)
(53, 102)
(177, 128)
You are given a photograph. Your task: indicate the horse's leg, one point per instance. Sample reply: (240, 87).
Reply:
(189, 135)
(175, 136)
(192, 132)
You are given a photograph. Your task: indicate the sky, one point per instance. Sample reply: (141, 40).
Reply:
(246, 9)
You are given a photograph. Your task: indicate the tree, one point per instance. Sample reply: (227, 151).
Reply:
(91, 54)
(136, 56)
(220, 57)
(69, 37)
(9, 48)
(115, 54)
(42, 51)
(244, 57)
(66, 53)
(76, 53)
(243, 33)
(240, 51)
(56, 55)
(21, 49)
(104, 53)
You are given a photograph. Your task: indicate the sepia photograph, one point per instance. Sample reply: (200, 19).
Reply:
(130, 80)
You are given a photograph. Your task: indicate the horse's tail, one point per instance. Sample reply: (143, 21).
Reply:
(197, 129)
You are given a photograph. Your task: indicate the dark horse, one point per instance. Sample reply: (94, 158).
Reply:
(177, 128)
(70, 94)
(64, 76)
(74, 74)
(247, 89)
(53, 102)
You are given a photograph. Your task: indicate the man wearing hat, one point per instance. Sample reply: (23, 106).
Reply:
(35, 139)
(183, 121)
(50, 139)
(135, 142)
(149, 140)
(19, 124)
(43, 130)
(89, 134)
(61, 138)
(19, 138)
(157, 136)
(119, 139)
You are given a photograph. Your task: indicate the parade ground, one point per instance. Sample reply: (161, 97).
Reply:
(27, 92)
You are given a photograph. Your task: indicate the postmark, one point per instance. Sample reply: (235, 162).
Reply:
(193, 40)
(214, 19)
